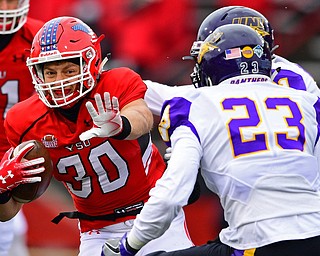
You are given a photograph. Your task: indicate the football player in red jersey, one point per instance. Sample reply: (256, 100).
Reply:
(96, 127)
(16, 34)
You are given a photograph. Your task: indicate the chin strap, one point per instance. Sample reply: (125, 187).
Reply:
(274, 48)
(103, 62)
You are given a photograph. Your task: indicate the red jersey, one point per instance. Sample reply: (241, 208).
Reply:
(15, 79)
(101, 174)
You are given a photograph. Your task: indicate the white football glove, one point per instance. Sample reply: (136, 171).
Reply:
(168, 153)
(107, 120)
(117, 247)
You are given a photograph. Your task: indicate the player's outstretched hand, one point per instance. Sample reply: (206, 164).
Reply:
(113, 247)
(16, 170)
(106, 119)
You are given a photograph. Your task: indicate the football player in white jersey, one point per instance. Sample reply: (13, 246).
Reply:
(258, 145)
(285, 73)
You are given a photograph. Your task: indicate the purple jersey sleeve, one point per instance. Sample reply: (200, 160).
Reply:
(177, 115)
(295, 80)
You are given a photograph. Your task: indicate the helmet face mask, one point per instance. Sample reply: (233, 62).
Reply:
(65, 39)
(12, 20)
(232, 50)
(62, 92)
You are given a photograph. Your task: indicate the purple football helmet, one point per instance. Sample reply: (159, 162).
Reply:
(232, 50)
(233, 15)
(229, 15)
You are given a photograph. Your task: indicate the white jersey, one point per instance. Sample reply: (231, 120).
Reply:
(289, 75)
(157, 93)
(257, 144)
(294, 76)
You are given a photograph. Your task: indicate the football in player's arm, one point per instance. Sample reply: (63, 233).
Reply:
(14, 171)
(96, 126)
(16, 33)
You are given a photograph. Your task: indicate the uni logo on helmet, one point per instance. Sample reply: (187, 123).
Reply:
(254, 22)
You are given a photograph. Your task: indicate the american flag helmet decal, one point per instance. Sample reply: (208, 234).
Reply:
(49, 36)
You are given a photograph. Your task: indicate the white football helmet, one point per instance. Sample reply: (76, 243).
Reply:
(12, 20)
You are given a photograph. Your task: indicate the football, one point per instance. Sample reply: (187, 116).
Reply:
(26, 193)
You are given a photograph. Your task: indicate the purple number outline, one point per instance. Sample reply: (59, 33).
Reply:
(239, 146)
(259, 143)
(294, 121)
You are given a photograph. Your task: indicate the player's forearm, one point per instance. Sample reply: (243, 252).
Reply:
(154, 219)
(9, 210)
(140, 118)
(169, 195)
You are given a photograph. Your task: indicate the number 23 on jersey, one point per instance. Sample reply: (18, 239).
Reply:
(247, 124)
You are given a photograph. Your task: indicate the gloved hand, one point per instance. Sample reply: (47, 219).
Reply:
(107, 120)
(113, 247)
(16, 171)
(168, 153)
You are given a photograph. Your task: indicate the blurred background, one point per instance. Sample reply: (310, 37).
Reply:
(151, 37)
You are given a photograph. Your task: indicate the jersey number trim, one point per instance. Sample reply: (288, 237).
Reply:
(107, 184)
(260, 140)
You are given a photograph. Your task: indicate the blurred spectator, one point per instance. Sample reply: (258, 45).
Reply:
(149, 36)
(154, 35)
(264, 6)
(46, 10)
